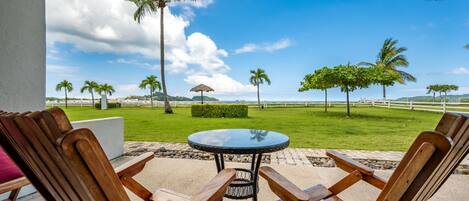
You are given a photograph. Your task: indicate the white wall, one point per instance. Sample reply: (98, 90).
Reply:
(110, 134)
(22, 55)
(22, 58)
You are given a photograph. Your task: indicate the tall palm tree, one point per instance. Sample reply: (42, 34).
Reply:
(432, 89)
(257, 78)
(153, 84)
(389, 59)
(91, 87)
(105, 89)
(67, 86)
(150, 6)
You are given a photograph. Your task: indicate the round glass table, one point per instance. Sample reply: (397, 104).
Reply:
(240, 141)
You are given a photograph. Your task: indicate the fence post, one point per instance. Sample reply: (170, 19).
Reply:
(389, 104)
(373, 103)
(444, 106)
(411, 105)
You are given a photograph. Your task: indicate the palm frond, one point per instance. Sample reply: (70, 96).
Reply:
(404, 76)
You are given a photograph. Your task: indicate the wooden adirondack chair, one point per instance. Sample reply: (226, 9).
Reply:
(11, 178)
(425, 167)
(69, 164)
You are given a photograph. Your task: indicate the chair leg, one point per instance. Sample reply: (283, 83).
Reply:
(14, 194)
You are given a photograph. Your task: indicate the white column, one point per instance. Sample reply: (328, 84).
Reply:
(103, 102)
(22, 55)
(22, 59)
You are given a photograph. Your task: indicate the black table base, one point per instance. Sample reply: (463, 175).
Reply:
(246, 183)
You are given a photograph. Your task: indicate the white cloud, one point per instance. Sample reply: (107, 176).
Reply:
(460, 71)
(107, 26)
(61, 69)
(267, 47)
(134, 63)
(220, 83)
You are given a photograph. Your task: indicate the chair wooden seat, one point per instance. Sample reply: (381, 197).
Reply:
(69, 164)
(430, 160)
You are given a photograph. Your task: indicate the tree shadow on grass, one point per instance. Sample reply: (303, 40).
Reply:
(358, 116)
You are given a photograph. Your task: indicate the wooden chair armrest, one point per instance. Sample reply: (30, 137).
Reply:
(13, 184)
(134, 166)
(129, 169)
(348, 164)
(281, 186)
(216, 188)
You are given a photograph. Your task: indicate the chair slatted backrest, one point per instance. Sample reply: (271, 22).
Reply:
(422, 158)
(450, 124)
(86, 156)
(62, 166)
(48, 134)
(25, 156)
(459, 150)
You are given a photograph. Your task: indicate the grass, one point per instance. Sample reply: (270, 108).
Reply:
(367, 129)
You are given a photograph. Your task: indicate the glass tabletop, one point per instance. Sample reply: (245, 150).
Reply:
(238, 141)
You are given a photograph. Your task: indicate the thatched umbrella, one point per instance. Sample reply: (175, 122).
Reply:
(202, 88)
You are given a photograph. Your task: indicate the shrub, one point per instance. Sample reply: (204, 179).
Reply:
(219, 111)
(109, 105)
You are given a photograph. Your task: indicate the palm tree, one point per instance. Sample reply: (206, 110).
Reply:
(467, 46)
(91, 87)
(432, 89)
(152, 84)
(150, 6)
(105, 89)
(258, 77)
(389, 59)
(67, 86)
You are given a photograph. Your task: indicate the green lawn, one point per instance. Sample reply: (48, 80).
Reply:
(368, 128)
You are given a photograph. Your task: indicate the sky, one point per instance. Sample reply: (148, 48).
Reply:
(217, 43)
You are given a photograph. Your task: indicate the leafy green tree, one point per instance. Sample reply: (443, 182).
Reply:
(105, 89)
(257, 78)
(67, 86)
(151, 6)
(467, 46)
(321, 79)
(350, 78)
(388, 60)
(91, 87)
(153, 84)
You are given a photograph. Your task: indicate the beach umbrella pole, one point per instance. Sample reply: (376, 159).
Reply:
(202, 96)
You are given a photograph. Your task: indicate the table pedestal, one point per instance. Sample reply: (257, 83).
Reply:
(246, 183)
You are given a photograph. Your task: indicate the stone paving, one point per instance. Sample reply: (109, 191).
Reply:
(289, 156)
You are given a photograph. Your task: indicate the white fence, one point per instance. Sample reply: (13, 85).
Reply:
(266, 104)
(422, 106)
(408, 105)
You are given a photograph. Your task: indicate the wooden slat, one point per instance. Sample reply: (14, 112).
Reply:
(25, 157)
(410, 172)
(346, 182)
(216, 187)
(49, 168)
(281, 186)
(13, 184)
(82, 150)
(442, 144)
(346, 161)
(457, 153)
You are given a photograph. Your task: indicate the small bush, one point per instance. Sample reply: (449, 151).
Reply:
(109, 105)
(219, 111)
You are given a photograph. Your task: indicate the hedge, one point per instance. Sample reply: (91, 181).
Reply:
(109, 105)
(219, 111)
